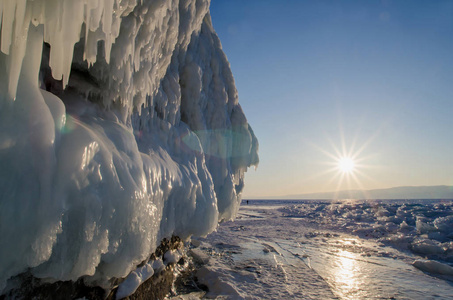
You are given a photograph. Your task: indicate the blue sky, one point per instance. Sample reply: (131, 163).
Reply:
(319, 79)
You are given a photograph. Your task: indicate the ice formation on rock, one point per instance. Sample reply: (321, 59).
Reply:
(126, 131)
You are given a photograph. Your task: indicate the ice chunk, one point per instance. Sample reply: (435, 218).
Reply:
(434, 267)
(426, 246)
(199, 256)
(134, 280)
(158, 265)
(423, 226)
(444, 224)
(217, 284)
(172, 256)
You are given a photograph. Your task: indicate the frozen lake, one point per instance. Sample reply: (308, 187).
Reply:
(330, 250)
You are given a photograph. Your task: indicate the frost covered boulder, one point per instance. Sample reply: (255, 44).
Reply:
(119, 126)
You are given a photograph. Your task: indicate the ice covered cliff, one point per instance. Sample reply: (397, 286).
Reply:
(122, 128)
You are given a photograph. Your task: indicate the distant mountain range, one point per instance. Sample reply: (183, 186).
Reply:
(401, 192)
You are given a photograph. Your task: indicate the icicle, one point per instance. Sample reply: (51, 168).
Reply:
(19, 20)
(9, 8)
(107, 27)
(1, 13)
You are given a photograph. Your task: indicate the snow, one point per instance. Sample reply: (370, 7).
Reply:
(143, 137)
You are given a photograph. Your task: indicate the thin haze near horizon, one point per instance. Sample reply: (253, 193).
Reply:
(369, 81)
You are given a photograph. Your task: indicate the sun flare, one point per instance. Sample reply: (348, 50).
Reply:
(346, 165)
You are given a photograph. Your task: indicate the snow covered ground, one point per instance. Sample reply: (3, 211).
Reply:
(301, 250)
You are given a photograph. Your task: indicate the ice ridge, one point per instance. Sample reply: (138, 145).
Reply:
(122, 128)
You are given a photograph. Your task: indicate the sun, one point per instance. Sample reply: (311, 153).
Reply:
(346, 165)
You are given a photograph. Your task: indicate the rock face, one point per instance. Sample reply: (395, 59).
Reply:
(119, 126)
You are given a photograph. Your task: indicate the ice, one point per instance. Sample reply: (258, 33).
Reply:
(421, 226)
(434, 267)
(138, 136)
(285, 250)
(218, 285)
(427, 247)
(172, 256)
(143, 273)
(133, 281)
(158, 265)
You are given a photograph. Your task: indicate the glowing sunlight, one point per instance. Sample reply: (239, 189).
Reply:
(346, 165)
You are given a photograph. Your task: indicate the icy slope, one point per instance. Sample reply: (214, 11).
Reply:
(139, 135)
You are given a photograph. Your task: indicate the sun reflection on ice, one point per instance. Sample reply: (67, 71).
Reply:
(346, 270)
(345, 273)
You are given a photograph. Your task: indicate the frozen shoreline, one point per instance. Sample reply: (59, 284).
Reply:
(267, 254)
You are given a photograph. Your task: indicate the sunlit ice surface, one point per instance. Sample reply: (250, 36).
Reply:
(345, 272)
(354, 271)
(348, 271)
(293, 253)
